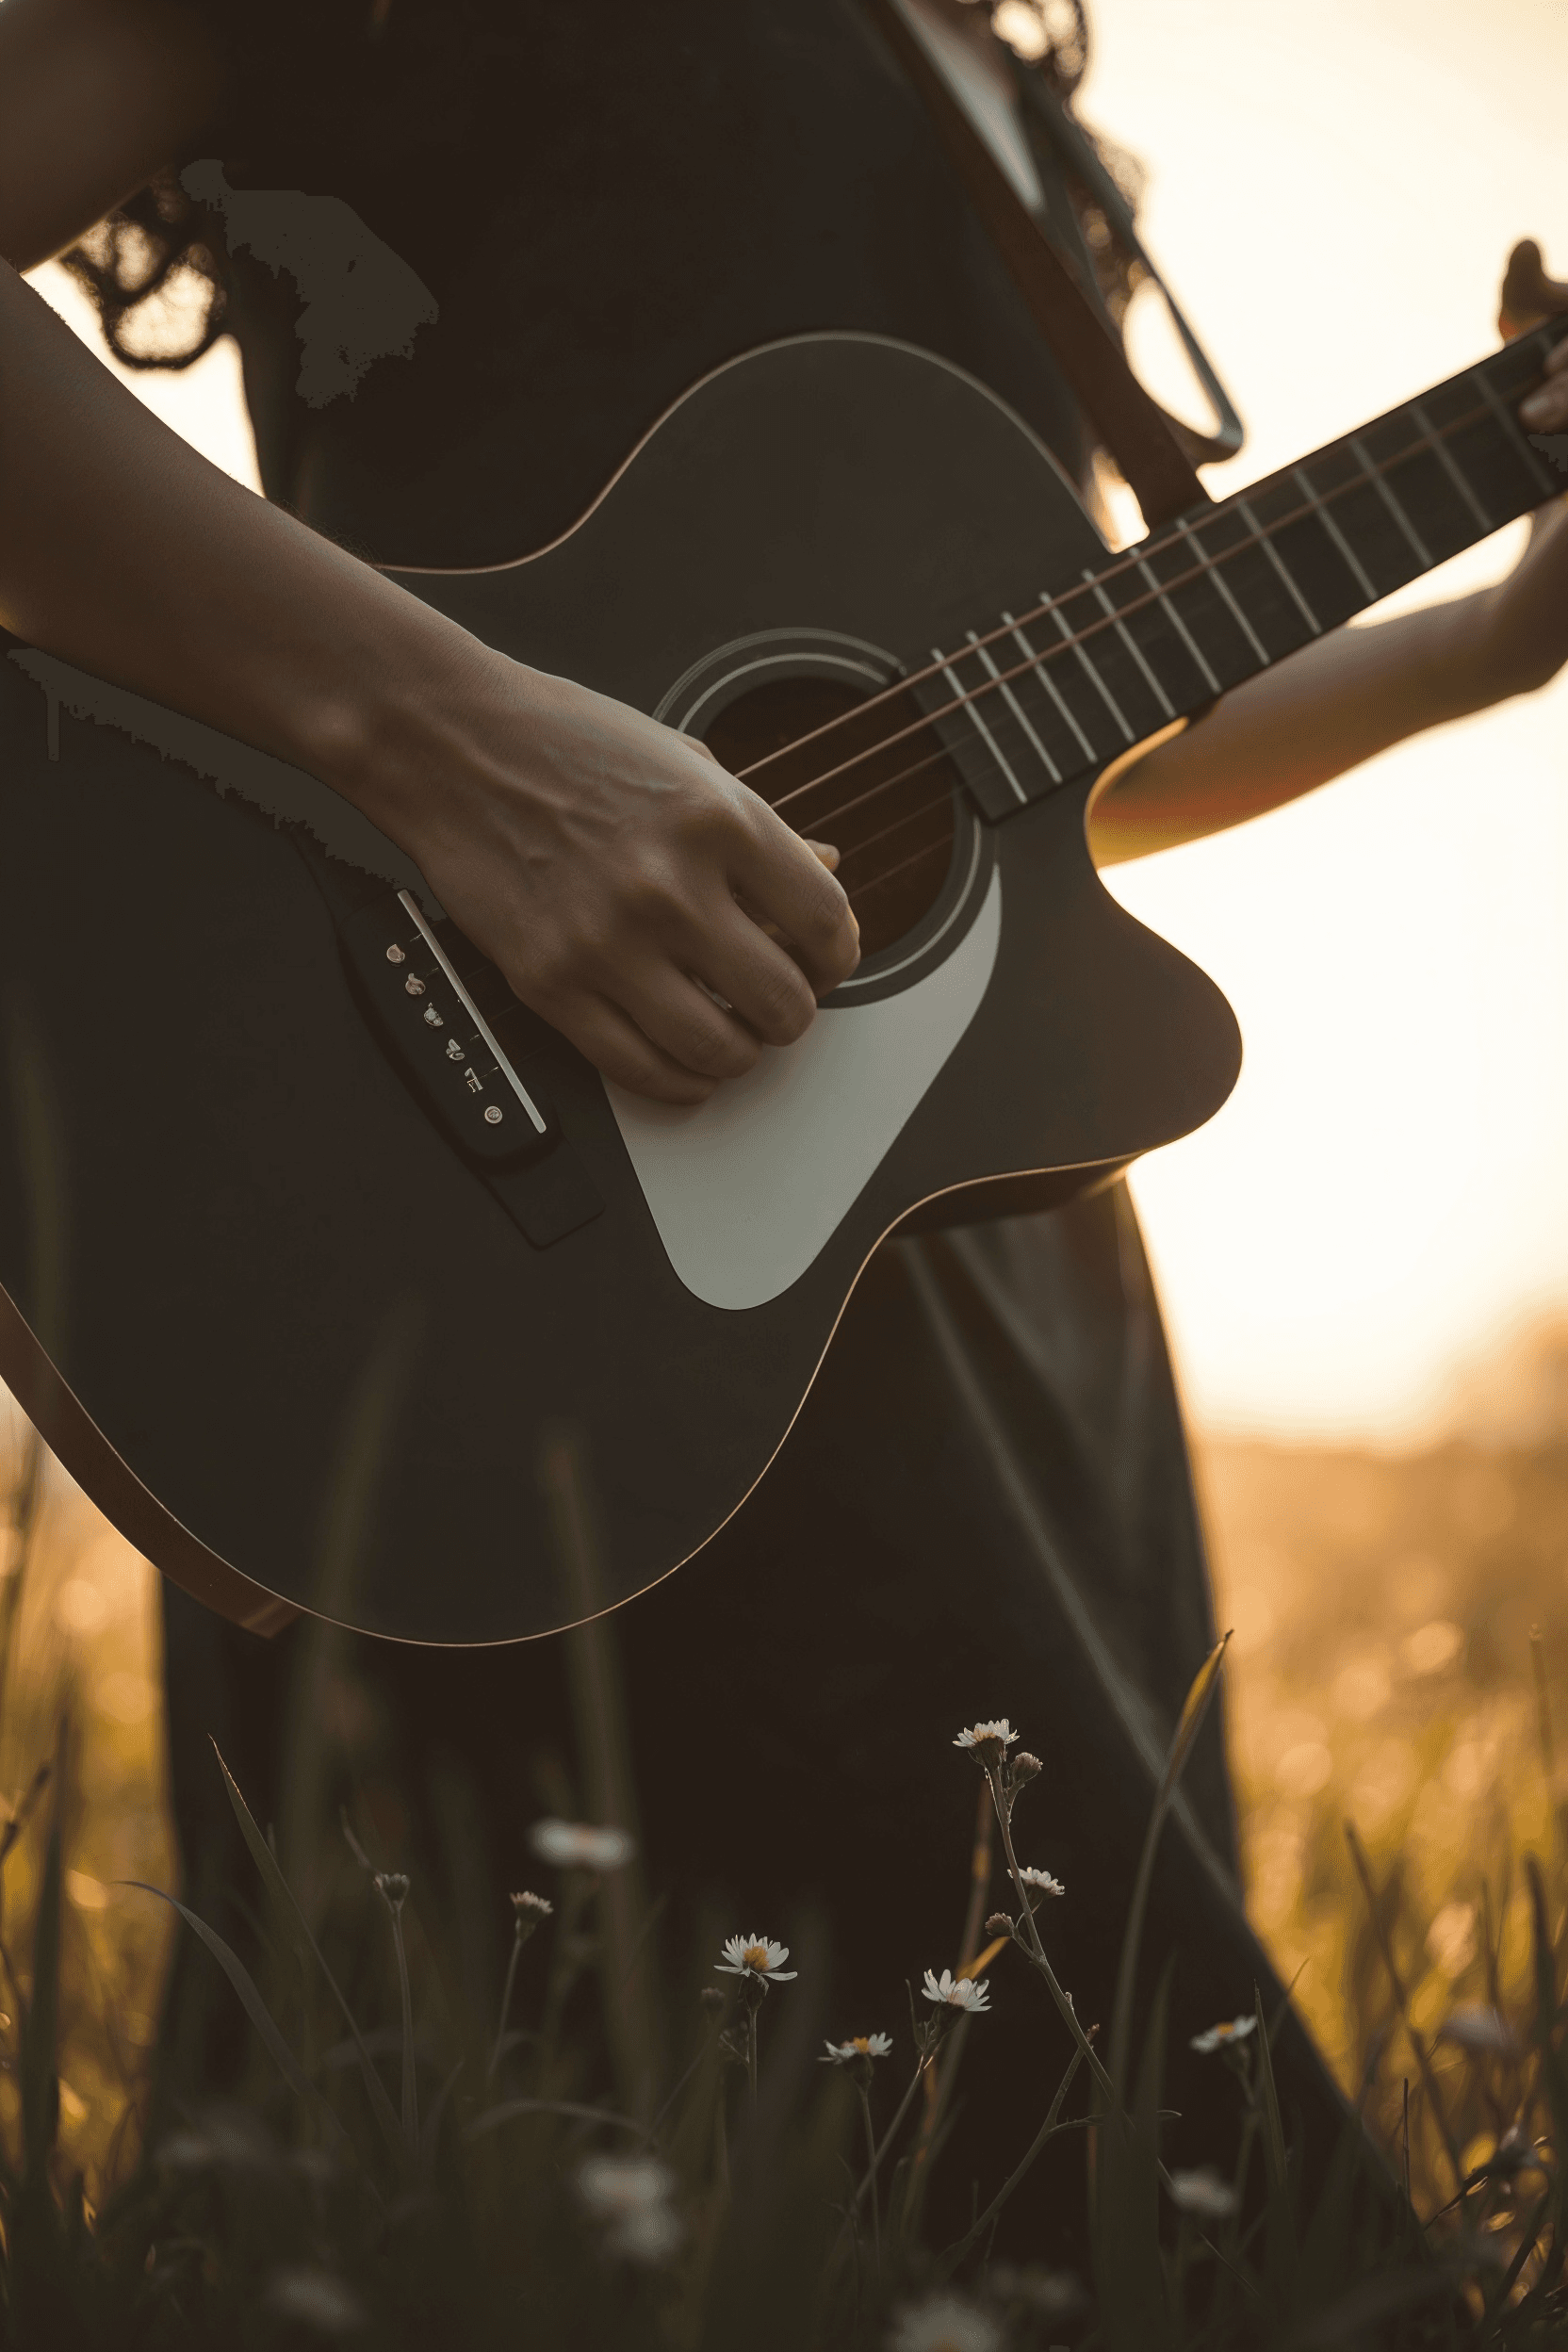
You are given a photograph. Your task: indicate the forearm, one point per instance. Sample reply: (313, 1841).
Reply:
(1337, 702)
(124, 552)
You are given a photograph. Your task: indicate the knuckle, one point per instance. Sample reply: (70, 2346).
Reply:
(717, 1049)
(825, 916)
(785, 1005)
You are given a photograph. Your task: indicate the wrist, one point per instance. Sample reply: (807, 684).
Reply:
(383, 729)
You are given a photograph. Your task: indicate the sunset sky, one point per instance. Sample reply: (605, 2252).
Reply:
(1332, 191)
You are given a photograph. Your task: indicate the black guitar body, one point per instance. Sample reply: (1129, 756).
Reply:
(293, 1336)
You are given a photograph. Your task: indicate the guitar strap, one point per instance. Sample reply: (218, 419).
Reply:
(1141, 439)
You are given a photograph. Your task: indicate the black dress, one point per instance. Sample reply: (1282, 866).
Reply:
(564, 216)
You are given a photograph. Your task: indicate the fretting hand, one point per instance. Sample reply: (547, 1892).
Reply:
(1524, 636)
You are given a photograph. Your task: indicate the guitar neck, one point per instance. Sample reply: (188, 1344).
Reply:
(1202, 604)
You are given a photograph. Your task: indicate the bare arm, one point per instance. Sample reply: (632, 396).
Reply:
(1351, 694)
(606, 863)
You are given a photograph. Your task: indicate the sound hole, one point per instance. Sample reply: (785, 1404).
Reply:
(889, 814)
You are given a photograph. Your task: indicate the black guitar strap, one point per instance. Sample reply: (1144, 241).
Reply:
(1155, 452)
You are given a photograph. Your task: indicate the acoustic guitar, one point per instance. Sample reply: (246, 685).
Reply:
(314, 1241)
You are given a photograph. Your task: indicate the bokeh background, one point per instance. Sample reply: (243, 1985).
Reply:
(1364, 1258)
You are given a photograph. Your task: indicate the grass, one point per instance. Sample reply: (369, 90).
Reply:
(398, 2171)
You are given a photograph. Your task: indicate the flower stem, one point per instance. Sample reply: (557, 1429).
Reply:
(410, 2081)
(891, 2133)
(751, 2052)
(1033, 1950)
(875, 2201)
(506, 2006)
(955, 2254)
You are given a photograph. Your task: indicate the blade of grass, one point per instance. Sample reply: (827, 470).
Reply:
(41, 2090)
(1401, 2001)
(257, 2011)
(1551, 2064)
(1199, 1700)
(1282, 2261)
(493, 2117)
(1129, 2272)
(306, 1948)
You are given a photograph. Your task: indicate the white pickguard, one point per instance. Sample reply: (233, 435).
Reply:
(747, 1189)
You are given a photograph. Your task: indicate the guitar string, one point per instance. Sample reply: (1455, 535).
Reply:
(1141, 553)
(922, 809)
(1259, 536)
(864, 889)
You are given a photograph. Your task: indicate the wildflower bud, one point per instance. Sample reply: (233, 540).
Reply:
(528, 1913)
(713, 2000)
(999, 1924)
(1026, 1767)
(392, 1887)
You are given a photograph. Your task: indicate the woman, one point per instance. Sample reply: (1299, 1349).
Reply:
(985, 1504)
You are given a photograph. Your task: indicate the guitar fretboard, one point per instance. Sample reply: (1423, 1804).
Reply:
(1032, 700)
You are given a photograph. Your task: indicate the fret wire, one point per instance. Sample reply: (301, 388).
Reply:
(1015, 707)
(1274, 556)
(966, 703)
(1372, 472)
(1126, 636)
(1303, 482)
(1450, 464)
(1180, 625)
(1374, 475)
(1043, 674)
(1089, 671)
(1371, 469)
(1212, 571)
(1511, 432)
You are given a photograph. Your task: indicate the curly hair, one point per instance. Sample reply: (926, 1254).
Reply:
(153, 269)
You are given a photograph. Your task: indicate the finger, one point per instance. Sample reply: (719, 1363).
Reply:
(781, 882)
(758, 977)
(619, 1048)
(679, 1017)
(1547, 405)
(824, 854)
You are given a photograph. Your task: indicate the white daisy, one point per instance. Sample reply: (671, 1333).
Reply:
(612, 2185)
(631, 2195)
(531, 1907)
(1204, 2194)
(755, 1956)
(1048, 2294)
(576, 1846)
(863, 2046)
(1042, 1879)
(943, 2323)
(992, 1740)
(956, 1992)
(1221, 2037)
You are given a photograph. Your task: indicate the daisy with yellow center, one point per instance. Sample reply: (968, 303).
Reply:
(988, 1743)
(756, 1956)
(860, 2045)
(1224, 2035)
(956, 1992)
